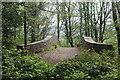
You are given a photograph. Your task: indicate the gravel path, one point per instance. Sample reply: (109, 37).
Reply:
(59, 54)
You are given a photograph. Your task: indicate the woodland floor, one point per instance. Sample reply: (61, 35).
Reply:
(59, 54)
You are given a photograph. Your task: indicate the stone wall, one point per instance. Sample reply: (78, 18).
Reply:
(89, 43)
(41, 45)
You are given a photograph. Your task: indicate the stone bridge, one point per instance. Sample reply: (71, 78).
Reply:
(89, 43)
(39, 46)
(49, 41)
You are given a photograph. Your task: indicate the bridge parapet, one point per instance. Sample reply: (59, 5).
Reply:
(39, 46)
(89, 43)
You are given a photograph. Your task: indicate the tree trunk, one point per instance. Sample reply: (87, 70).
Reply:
(91, 18)
(81, 17)
(95, 29)
(70, 27)
(67, 35)
(25, 31)
(58, 28)
(103, 31)
(58, 21)
(33, 35)
(85, 19)
(88, 19)
(101, 21)
(115, 17)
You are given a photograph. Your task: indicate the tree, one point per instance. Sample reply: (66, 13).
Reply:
(116, 20)
(11, 21)
(69, 20)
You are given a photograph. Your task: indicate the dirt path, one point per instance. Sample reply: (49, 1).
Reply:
(59, 54)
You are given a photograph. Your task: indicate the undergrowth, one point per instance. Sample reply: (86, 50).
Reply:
(84, 66)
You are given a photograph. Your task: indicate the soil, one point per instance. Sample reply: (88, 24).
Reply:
(59, 54)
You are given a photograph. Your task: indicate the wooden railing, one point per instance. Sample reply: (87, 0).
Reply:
(89, 43)
(40, 45)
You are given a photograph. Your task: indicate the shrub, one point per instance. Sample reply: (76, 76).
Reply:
(17, 66)
(83, 66)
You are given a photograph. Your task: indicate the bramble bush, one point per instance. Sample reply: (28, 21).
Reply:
(83, 66)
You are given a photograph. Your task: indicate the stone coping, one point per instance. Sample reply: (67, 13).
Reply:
(90, 40)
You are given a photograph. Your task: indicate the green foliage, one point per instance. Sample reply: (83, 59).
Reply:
(66, 45)
(51, 48)
(12, 18)
(17, 66)
(56, 46)
(83, 66)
